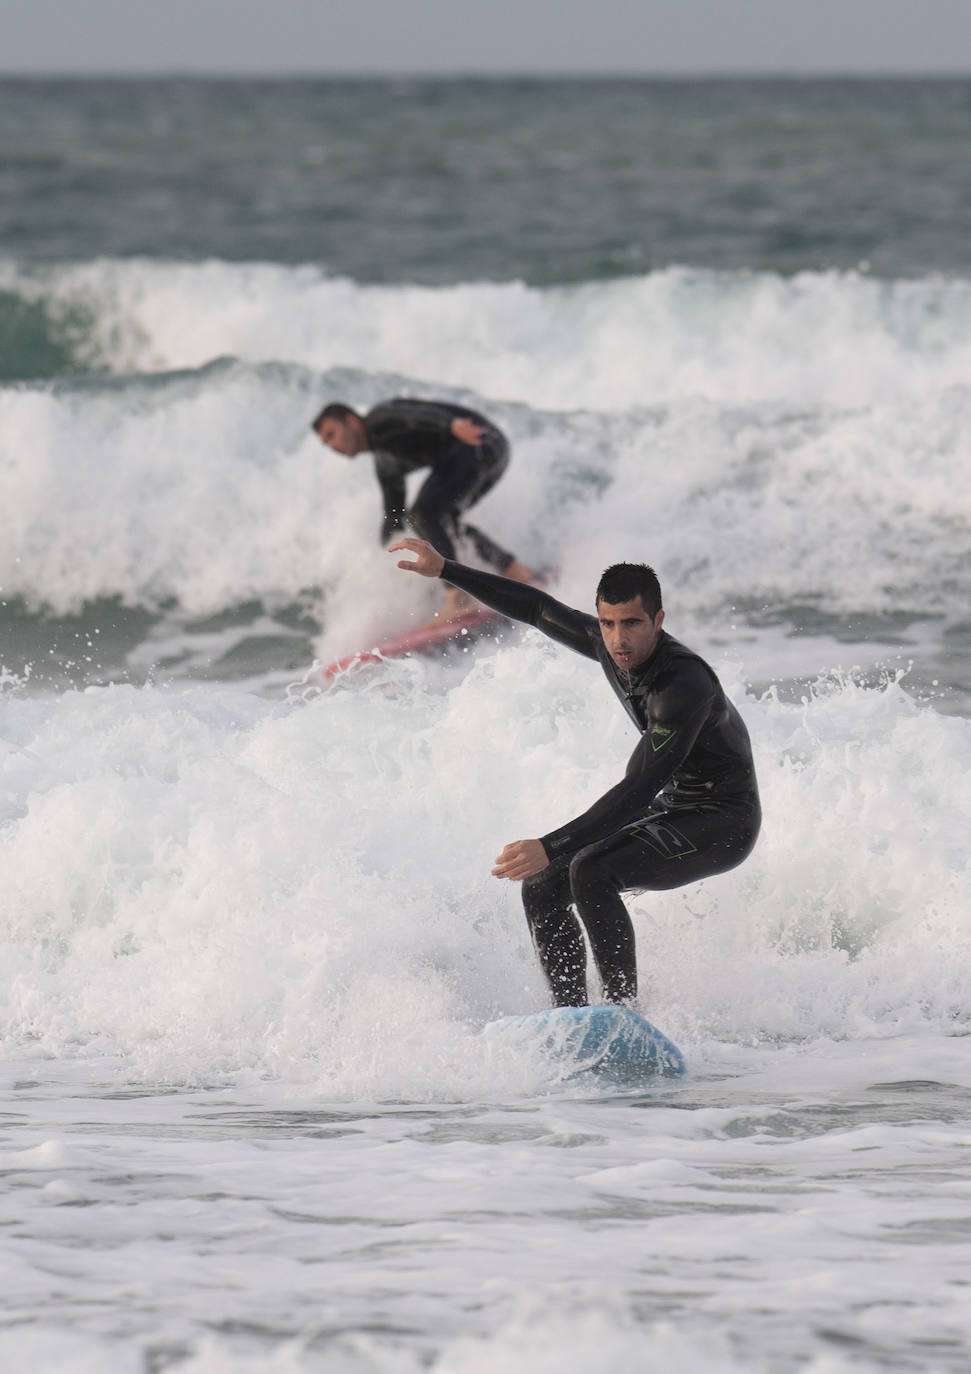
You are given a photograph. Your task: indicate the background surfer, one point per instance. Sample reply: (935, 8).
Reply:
(467, 455)
(687, 807)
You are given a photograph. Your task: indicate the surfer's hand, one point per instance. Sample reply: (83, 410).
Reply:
(429, 562)
(521, 859)
(468, 431)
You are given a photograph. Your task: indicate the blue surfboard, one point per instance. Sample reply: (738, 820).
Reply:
(615, 1044)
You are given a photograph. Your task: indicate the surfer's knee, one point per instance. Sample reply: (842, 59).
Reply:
(590, 873)
(418, 520)
(437, 526)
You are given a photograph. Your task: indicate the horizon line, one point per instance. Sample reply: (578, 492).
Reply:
(524, 74)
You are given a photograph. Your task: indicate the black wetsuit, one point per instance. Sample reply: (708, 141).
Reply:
(407, 434)
(686, 809)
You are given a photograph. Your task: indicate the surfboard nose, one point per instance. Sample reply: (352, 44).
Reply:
(613, 1043)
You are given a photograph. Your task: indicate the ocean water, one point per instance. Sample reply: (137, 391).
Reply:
(250, 1119)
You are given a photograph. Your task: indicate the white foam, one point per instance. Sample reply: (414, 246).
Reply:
(209, 489)
(738, 337)
(304, 891)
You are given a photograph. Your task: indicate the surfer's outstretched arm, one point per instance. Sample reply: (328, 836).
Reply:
(518, 600)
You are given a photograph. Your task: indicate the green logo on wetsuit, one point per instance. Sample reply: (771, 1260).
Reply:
(660, 737)
(664, 838)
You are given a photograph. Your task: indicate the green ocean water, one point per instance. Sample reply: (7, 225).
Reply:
(448, 181)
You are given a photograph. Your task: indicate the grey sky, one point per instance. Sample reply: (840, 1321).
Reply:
(330, 37)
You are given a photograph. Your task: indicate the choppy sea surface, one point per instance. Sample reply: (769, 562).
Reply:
(249, 1119)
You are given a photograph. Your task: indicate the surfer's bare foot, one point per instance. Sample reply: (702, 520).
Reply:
(519, 572)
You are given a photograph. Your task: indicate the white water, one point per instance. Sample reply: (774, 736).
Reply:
(838, 338)
(286, 887)
(249, 937)
(283, 911)
(788, 454)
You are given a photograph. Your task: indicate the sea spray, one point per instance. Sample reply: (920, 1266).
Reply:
(302, 890)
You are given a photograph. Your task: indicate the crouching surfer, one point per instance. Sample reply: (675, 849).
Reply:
(467, 455)
(687, 807)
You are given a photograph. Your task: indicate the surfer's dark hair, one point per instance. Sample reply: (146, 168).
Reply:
(337, 410)
(623, 581)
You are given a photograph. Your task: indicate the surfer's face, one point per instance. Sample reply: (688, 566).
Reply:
(629, 632)
(343, 436)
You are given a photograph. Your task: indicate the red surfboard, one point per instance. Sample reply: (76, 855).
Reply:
(424, 640)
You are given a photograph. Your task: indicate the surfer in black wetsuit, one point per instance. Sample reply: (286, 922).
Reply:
(467, 455)
(686, 809)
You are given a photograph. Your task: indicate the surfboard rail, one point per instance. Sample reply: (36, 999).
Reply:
(422, 640)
